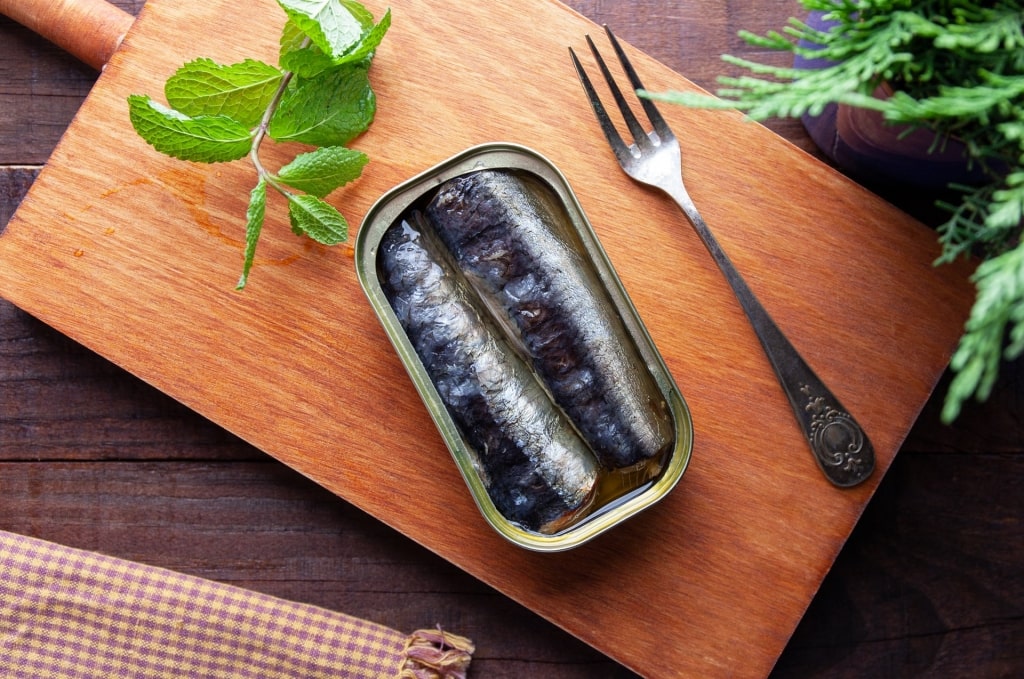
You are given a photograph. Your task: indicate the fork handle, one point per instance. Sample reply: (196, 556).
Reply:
(839, 445)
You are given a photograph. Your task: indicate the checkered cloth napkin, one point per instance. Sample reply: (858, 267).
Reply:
(69, 613)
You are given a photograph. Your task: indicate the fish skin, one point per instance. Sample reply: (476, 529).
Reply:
(504, 235)
(537, 470)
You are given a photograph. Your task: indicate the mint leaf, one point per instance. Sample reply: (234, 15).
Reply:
(308, 60)
(254, 225)
(371, 40)
(333, 26)
(313, 217)
(329, 110)
(205, 139)
(292, 38)
(359, 11)
(321, 171)
(241, 91)
(302, 58)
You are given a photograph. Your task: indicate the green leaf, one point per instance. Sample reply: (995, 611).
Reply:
(323, 170)
(254, 225)
(241, 91)
(313, 217)
(308, 60)
(302, 58)
(292, 39)
(329, 110)
(999, 303)
(370, 41)
(205, 139)
(333, 26)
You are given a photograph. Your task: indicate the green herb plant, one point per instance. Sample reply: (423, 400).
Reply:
(318, 95)
(956, 68)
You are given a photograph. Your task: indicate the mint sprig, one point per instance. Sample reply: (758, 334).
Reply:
(319, 94)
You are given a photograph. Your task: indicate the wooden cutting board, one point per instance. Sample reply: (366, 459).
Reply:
(136, 255)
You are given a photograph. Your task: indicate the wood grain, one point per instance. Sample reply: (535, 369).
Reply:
(14, 184)
(91, 30)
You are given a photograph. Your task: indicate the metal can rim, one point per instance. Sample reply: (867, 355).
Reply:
(396, 202)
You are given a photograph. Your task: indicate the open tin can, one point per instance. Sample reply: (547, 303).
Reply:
(617, 494)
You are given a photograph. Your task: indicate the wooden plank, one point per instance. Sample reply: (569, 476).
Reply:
(141, 296)
(14, 183)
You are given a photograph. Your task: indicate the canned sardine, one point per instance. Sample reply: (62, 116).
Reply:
(523, 345)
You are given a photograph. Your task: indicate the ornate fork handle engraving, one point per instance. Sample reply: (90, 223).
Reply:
(836, 439)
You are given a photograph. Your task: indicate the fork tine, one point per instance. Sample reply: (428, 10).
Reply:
(614, 138)
(653, 114)
(637, 130)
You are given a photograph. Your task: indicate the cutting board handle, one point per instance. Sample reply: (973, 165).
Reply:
(91, 30)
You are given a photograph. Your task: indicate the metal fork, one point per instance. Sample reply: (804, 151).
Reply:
(840, 447)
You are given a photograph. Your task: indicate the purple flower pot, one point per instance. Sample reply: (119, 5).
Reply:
(882, 155)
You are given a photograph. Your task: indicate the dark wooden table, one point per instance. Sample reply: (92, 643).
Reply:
(930, 583)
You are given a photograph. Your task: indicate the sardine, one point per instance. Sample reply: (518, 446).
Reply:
(537, 470)
(511, 240)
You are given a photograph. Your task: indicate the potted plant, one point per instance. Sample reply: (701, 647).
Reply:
(953, 69)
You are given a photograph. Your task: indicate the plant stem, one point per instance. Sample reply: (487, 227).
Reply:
(261, 129)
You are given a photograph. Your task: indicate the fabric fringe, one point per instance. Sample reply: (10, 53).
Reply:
(436, 654)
